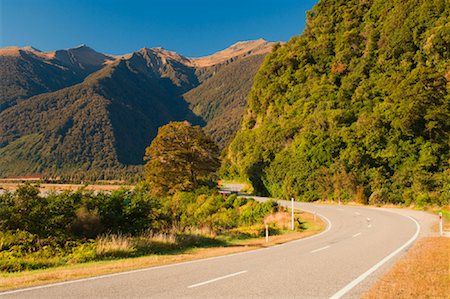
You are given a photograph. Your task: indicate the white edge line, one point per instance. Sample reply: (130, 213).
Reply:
(320, 249)
(216, 279)
(363, 276)
(170, 265)
(355, 235)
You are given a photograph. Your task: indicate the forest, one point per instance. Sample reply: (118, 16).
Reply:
(357, 107)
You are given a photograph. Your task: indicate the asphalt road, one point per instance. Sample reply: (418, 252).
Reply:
(358, 246)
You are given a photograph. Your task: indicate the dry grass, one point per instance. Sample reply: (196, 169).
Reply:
(280, 219)
(149, 239)
(66, 187)
(110, 244)
(423, 273)
(76, 271)
(116, 244)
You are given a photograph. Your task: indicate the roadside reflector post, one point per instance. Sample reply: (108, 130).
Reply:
(292, 212)
(440, 224)
(267, 233)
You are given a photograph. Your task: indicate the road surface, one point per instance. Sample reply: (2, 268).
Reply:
(358, 246)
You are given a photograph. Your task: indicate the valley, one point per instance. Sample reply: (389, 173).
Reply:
(83, 115)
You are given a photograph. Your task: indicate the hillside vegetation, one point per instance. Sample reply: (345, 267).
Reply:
(357, 107)
(221, 100)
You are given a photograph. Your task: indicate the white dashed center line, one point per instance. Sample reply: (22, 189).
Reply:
(216, 279)
(320, 249)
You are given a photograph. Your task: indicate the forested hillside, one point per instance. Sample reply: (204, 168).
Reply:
(357, 107)
(221, 100)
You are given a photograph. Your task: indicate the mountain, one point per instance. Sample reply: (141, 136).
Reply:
(226, 77)
(355, 108)
(238, 50)
(221, 100)
(26, 71)
(98, 124)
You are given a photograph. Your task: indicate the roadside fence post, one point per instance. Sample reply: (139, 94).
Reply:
(292, 212)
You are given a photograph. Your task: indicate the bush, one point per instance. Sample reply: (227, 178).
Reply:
(74, 227)
(80, 214)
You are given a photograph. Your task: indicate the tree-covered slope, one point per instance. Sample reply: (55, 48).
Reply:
(221, 100)
(357, 107)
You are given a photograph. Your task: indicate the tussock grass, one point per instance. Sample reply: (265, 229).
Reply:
(423, 273)
(114, 245)
(149, 238)
(120, 245)
(280, 219)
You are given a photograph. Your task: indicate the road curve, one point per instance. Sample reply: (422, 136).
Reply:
(358, 245)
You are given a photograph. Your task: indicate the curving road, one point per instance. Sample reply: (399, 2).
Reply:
(358, 246)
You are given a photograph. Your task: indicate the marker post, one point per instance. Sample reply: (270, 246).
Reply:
(267, 233)
(440, 224)
(292, 211)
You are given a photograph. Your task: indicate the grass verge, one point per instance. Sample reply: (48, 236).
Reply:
(38, 277)
(423, 273)
(44, 187)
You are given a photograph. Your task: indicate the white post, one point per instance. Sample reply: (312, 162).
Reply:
(267, 233)
(440, 224)
(292, 211)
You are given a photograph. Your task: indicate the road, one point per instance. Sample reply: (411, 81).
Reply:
(358, 246)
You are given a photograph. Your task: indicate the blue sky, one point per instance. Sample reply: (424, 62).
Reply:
(189, 27)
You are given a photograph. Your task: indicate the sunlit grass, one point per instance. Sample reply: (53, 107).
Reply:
(424, 272)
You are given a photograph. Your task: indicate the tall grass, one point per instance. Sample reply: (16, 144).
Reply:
(120, 245)
(280, 219)
(114, 245)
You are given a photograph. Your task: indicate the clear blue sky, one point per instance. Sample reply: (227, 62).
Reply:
(189, 27)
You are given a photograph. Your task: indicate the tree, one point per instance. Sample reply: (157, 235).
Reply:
(178, 157)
